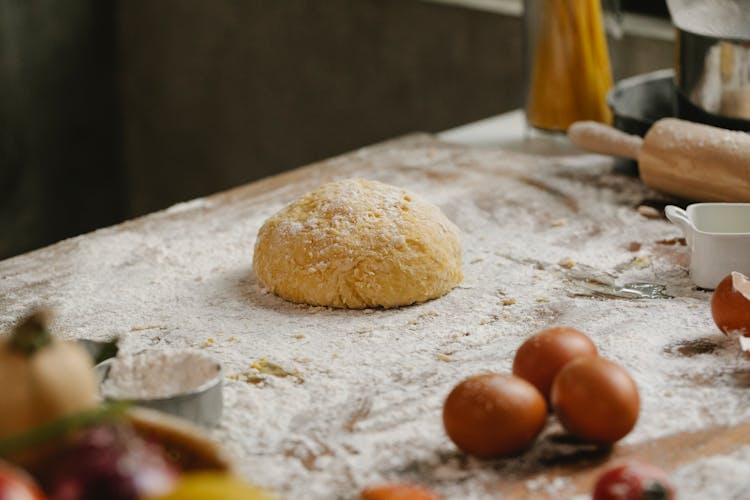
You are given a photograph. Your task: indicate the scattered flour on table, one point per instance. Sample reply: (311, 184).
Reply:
(725, 477)
(321, 402)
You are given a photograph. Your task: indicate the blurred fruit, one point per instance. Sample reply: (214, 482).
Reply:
(403, 491)
(214, 486)
(15, 484)
(633, 481)
(43, 378)
(109, 461)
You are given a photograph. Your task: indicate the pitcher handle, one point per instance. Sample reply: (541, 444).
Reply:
(680, 218)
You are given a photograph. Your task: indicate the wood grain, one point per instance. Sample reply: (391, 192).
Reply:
(668, 452)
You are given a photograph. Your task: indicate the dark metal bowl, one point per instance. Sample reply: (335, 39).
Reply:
(637, 102)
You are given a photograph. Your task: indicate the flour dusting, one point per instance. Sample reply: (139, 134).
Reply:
(364, 399)
(722, 476)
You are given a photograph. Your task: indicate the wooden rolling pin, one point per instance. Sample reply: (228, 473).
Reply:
(690, 160)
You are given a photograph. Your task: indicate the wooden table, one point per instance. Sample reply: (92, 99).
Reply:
(319, 402)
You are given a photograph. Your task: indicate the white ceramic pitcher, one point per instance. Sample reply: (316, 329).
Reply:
(718, 236)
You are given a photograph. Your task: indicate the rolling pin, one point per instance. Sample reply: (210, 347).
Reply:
(685, 159)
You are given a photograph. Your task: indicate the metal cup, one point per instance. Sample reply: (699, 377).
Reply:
(202, 405)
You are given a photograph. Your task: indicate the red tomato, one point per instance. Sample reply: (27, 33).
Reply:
(633, 481)
(403, 491)
(15, 484)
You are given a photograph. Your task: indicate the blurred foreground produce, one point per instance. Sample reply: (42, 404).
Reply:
(15, 484)
(43, 379)
(214, 486)
(633, 481)
(402, 491)
(109, 461)
(78, 448)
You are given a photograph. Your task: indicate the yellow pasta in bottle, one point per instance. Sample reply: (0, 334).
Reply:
(570, 72)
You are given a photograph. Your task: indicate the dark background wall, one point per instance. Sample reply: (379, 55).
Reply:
(112, 109)
(219, 93)
(60, 168)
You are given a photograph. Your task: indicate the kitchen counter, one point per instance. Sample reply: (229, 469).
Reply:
(551, 237)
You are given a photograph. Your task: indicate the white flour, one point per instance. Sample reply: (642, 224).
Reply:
(153, 374)
(724, 477)
(359, 395)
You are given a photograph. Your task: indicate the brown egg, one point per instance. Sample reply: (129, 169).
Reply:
(595, 399)
(730, 304)
(494, 415)
(543, 354)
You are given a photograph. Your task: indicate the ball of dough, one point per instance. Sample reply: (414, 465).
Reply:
(358, 243)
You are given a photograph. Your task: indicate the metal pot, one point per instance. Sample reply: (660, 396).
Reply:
(712, 70)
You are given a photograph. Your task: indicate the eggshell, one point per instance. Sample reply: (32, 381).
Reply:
(730, 304)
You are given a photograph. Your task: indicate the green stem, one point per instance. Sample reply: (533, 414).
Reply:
(60, 427)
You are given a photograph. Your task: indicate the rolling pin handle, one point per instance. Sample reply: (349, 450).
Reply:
(680, 218)
(603, 139)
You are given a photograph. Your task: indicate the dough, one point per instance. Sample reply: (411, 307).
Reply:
(358, 243)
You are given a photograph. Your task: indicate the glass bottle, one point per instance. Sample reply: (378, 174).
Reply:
(568, 71)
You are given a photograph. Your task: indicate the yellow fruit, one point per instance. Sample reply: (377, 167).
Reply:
(214, 486)
(43, 378)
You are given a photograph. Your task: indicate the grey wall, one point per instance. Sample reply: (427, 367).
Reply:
(109, 110)
(633, 55)
(220, 93)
